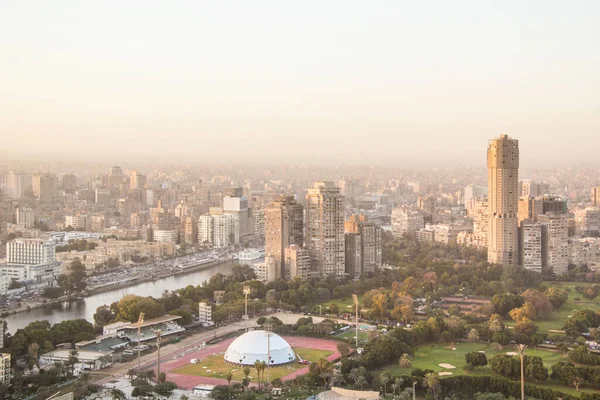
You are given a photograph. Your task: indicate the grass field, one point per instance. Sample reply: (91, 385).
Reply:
(351, 334)
(431, 356)
(216, 367)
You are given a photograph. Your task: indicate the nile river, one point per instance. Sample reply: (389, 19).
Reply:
(87, 307)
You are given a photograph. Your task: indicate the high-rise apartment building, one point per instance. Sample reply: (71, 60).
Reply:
(69, 183)
(24, 217)
(479, 211)
(555, 247)
(31, 260)
(325, 228)
(237, 204)
(283, 227)
(115, 178)
(587, 222)
(503, 196)
(531, 251)
(426, 204)
(406, 221)
(14, 184)
(137, 181)
(530, 188)
(474, 192)
(218, 230)
(363, 246)
(190, 231)
(297, 262)
(595, 196)
(44, 187)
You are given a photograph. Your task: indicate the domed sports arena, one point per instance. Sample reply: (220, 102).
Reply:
(254, 345)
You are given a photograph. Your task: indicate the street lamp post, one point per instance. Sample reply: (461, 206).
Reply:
(414, 390)
(246, 291)
(158, 334)
(355, 299)
(521, 352)
(140, 322)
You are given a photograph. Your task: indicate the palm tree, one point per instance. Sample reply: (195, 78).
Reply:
(385, 378)
(354, 374)
(473, 335)
(495, 325)
(263, 367)
(405, 361)
(325, 376)
(258, 368)
(397, 385)
(338, 379)
(246, 374)
(432, 382)
(361, 381)
(229, 377)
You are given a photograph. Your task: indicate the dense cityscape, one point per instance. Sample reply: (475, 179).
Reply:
(433, 257)
(279, 200)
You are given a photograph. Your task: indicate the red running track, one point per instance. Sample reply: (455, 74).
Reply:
(189, 381)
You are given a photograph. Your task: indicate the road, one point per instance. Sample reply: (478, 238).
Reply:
(189, 344)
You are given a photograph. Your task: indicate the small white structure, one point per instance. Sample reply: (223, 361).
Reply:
(203, 390)
(258, 345)
(112, 329)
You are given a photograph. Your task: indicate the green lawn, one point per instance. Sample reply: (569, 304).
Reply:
(431, 356)
(344, 304)
(351, 335)
(558, 318)
(216, 367)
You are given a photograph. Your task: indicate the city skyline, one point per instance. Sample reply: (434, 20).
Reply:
(204, 83)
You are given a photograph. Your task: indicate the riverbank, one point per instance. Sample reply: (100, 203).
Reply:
(116, 286)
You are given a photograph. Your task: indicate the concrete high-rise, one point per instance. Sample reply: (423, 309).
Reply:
(44, 187)
(503, 200)
(555, 246)
(283, 227)
(595, 197)
(325, 229)
(363, 246)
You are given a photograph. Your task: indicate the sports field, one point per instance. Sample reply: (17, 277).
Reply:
(187, 375)
(433, 356)
(216, 367)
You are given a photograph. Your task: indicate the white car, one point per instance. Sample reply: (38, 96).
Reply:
(194, 361)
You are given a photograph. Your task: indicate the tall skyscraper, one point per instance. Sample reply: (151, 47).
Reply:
(69, 183)
(503, 198)
(283, 227)
(44, 187)
(555, 245)
(325, 228)
(363, 246)
(137, 181)
(595, 197)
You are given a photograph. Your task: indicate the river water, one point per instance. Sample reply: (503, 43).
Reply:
(87, 307)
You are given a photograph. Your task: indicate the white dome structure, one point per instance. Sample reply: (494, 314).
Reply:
(255, 345)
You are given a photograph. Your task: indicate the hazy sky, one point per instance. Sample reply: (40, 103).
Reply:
(373, 81)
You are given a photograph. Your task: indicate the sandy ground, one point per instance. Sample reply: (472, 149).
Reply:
(447, 366)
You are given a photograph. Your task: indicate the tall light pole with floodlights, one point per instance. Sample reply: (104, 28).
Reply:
(139, 326)
(355, 299)
(158, 335)
(246, 293)
(521, 352)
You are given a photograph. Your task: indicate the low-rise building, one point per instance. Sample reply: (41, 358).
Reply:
(88, 360)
